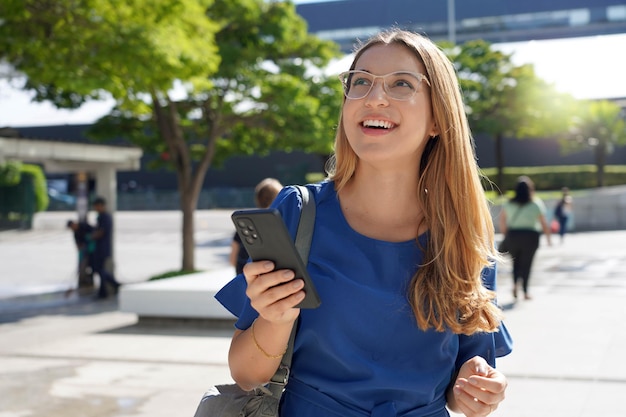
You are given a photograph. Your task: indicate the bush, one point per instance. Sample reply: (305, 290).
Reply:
(21, 198)
(39, 186)
(10, 173)
(575, 177)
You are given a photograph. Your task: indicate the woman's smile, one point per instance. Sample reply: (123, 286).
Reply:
(377, 126)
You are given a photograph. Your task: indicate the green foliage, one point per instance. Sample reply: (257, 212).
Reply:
(265, 95)
(39, 185)
(600, 126)
(247, 68)
(29, 193)
(596, 123)
(575, 177)
(10, 173)
(20, 200)
(82, 49)
(195, 81)
(504, 99)
(171, 274)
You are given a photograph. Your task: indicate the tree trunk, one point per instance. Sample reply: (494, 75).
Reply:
(168, 122)
(187, 206)
(499, 155)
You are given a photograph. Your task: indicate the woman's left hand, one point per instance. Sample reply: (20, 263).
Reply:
(478, 388)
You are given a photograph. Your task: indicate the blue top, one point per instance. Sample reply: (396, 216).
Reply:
(361, 353)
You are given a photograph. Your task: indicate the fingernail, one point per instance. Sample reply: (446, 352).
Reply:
(460, 383)
(481, 369)
(268, 265)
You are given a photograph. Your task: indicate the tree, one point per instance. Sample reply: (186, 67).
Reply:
(506, 100)
(245, 67)
(75, 50)
(599, 125)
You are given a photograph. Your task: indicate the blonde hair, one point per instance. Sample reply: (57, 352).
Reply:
(447, 289)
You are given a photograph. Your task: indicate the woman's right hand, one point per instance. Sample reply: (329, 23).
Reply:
(255, 353)
(273, 293)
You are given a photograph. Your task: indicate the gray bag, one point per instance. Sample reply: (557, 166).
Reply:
(231, 401)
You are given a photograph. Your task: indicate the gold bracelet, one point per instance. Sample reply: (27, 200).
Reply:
(267, 355)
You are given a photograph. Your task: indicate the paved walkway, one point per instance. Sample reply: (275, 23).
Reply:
(71, 357)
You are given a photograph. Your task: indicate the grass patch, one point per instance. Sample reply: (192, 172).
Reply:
(171, 274)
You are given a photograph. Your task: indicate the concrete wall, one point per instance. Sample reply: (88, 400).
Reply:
(600, 209)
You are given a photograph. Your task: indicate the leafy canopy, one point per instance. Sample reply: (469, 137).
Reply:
(73, 50)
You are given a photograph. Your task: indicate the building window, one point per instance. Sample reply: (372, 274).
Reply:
(616, 13)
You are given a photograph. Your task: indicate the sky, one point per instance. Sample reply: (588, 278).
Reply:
(590, 67)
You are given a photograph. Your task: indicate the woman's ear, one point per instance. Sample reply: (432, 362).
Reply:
(434, 131)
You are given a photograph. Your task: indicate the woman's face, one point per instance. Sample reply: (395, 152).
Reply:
(384, 130)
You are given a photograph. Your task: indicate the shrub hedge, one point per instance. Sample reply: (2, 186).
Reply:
(576, 177)
(23, 192)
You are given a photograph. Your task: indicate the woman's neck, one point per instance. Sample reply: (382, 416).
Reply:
(382, 206)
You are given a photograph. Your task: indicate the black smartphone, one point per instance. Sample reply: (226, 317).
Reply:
(265, 237)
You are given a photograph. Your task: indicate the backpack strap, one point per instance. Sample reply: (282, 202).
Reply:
(303, 244)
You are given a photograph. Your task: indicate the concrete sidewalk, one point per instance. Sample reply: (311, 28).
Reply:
(72, 357)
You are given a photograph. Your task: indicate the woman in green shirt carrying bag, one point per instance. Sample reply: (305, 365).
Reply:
(522, 220)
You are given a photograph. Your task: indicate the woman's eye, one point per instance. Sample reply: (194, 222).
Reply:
(361, 81)
(403, 84)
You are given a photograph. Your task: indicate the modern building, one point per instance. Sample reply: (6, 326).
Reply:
(497, 21)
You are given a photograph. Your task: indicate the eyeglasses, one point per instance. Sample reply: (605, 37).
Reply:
(399, 85)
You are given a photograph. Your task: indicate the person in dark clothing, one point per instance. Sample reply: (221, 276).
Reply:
(563, 211)
(264, 194)
(103, 251)
(85, 246)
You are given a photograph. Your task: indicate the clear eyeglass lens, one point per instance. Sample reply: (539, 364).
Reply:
(398, 85)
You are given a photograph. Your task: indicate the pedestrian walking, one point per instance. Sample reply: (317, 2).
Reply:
(522, 220)
(563, 211)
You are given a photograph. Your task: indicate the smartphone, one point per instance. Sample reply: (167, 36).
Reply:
(265, 237)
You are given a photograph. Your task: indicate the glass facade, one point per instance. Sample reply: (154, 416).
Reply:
(493, 20)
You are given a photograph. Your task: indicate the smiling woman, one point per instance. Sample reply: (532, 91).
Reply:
(402, 250)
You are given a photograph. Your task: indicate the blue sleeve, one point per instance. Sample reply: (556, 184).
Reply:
(503, 339)
(233, 295)
(487, 345)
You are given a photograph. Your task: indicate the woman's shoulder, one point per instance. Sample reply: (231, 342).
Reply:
(539, 203)
(291, 194)
(289, 200)
(510, 204)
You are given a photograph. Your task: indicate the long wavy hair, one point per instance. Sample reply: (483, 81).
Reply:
(446, 291)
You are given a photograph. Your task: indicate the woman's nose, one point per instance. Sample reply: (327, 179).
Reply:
(377, 95)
